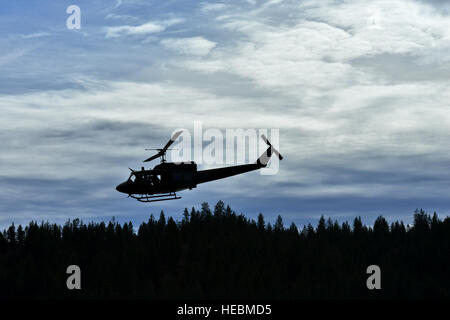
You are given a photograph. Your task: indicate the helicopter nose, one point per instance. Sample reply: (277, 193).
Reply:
(123, 187)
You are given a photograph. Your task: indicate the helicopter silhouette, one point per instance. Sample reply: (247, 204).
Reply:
(163, 181)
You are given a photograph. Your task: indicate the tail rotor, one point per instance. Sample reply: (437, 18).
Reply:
(265, 157)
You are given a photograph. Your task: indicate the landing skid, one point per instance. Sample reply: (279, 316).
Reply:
(160, 197)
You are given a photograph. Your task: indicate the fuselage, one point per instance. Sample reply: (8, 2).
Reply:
(173, 177)
(163, 178)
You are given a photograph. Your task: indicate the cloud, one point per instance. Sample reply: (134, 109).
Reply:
(384, 27)
(123, 17)
(272, 2)
(140, 30)
(197, 46)
(31, 35)
(13, 56)
(143, 29)
(318, 48)
(207, 7)
(356, 149)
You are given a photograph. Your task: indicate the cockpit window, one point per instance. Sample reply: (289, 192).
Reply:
(132, 178)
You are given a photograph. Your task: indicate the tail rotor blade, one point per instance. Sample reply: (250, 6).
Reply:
(272, 149)
(277, 153)
(266, 140)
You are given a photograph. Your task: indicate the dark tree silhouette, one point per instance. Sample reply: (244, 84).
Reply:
(222, 254)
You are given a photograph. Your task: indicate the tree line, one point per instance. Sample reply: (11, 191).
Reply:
(219, 254)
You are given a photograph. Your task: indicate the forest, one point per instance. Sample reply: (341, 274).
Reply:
(215, 253)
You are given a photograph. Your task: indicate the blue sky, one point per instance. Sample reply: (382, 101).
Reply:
(359, 91)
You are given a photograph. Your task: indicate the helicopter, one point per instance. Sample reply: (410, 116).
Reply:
(163, 181)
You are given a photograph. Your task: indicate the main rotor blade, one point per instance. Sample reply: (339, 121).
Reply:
(159, 154)
(172, 140)
(162, 152)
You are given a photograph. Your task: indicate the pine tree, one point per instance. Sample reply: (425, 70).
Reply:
(321, 226)
(219, 209)
(20, 235)
(194, 215)
(228, 211)
(422, 222)
(310, 231)
(162, 220)
(11, 234)
(205, 211)
(357, 226)
(185, 216)
(346, 229)
(329, 224)
(278, 224)
(435, 222)
(293, 228)
(260, 223)
(380, 227)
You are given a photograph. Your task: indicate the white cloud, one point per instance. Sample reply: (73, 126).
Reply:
(207, 7)
(35, 35)
(122, 17)
(351, 125)
(146, 28)
(377, 27)
(13, 56)
(197, 46)
(140, 30)
(310, 54)
(272, 2)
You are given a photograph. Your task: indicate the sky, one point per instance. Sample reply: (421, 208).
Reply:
(359, 91)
